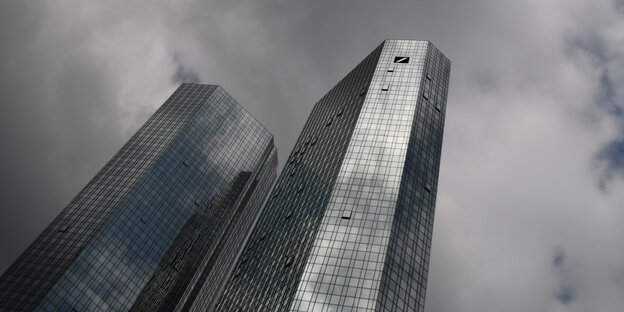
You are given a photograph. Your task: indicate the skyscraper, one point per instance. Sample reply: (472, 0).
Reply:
(348, 225)
(162, 223)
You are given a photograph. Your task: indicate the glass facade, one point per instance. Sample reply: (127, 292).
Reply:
(164, 219)
(348, 225)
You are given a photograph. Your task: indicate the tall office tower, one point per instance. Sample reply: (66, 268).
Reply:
(162, 223)
(348, 225)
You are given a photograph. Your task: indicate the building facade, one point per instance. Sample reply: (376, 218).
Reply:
(162, 224)
(348, 225)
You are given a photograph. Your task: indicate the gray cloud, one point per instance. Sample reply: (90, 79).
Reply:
(183, 74)
(567, 291)
(532, 150)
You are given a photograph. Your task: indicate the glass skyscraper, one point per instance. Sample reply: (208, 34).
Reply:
(162, 224)
(348, 225)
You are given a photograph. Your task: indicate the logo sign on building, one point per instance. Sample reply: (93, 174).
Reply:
(401, 59)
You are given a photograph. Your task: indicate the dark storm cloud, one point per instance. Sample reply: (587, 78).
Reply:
(60, 120)
(536, 91)
(41, 108)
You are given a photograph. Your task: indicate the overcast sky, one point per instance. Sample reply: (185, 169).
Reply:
(530, 213)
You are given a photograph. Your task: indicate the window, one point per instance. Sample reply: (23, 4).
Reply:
(238, 271)
(175, 258)
(428, 187)
(391, 69)
(185, 163)
(438, 107)
(385, 88)
(428, 77)
(329, 122)
(346, 214)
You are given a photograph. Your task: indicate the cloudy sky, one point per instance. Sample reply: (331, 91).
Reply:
(530, 213)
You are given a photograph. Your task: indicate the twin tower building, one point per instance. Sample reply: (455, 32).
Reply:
(190, 215)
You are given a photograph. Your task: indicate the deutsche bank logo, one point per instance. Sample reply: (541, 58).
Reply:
(401, 59)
